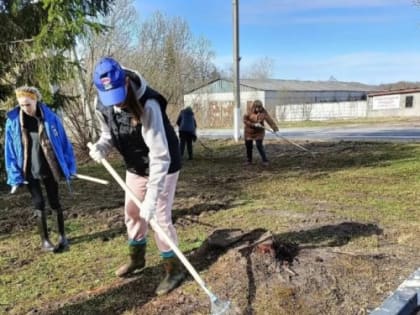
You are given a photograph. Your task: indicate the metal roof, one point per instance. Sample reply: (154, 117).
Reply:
(392, 92)
(295, 85)
(291, 85)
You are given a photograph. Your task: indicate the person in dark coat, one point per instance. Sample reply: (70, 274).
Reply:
(187, 130)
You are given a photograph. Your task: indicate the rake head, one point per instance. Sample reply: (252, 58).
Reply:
(219, 307)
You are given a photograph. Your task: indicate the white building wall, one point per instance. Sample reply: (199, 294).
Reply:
(271, 99)
(393, 105)
(204, 104)
(203, 99)
(321, 111)
(304, 97)
(212, 108)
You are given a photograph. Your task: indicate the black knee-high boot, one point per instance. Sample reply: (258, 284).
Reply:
(41, 220)
(63, 243)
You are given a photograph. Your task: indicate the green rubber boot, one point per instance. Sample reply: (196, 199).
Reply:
(174, 275)
(137, 260)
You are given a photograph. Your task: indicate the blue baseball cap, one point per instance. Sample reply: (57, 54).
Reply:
(109, 79)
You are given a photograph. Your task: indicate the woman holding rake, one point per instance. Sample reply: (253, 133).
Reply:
(133, 120)
(254, 130)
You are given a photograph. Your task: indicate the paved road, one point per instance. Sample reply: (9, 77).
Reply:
(395, 133)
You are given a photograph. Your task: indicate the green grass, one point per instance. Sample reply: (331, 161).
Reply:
(359, 182)
(342, 122)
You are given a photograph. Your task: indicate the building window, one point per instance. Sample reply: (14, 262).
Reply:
(409, 101)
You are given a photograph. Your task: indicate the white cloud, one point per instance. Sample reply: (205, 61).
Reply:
(365, 67)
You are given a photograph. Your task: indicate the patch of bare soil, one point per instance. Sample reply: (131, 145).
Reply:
(261, 274)
(85, 200)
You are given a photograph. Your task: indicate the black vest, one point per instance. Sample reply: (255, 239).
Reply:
(129, 141)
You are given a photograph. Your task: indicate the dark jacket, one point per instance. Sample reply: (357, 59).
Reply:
(186, 121)
(254, 133)
(128, 139)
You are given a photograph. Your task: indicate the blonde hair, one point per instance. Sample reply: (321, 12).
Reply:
(28, 91)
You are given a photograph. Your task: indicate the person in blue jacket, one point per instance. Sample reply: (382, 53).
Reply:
(37, 150)
(187, 130)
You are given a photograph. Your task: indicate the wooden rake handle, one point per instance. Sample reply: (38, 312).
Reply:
(92, 179)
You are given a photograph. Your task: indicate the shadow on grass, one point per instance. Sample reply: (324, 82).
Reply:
(330, 235)
(199, 208)
(135, 292)
(129, 293)
(182, 217)
(104, 235)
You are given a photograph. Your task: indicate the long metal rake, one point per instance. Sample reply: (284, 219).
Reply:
(291, 142)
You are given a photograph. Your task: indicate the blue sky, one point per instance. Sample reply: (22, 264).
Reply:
(369, 41)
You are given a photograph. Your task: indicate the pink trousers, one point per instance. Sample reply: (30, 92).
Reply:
(136, 226)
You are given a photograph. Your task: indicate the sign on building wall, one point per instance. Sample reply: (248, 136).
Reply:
(386, 102)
